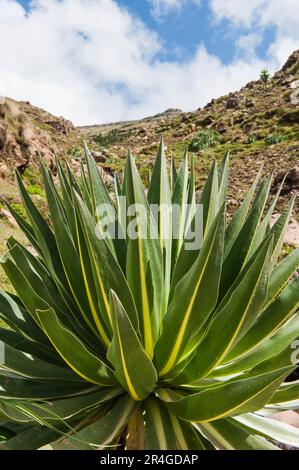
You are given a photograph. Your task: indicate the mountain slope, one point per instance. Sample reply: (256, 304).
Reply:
(258, 124)
(26, 131)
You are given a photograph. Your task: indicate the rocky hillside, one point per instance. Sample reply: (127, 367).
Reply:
(259, 123)
(26, 131)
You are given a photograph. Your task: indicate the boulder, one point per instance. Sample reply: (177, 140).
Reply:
(291, 182)
(232, 102)
(249, 103)
(4, 171)
(220, 127)
(292, 60)
(99, 156)
(207, 121)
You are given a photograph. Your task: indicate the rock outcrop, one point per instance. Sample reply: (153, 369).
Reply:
(27, 131)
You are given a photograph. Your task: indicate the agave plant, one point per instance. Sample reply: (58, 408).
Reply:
(139, 342)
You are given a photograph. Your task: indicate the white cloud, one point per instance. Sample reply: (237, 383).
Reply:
(262, 14)
(92, 61)
(246, 45)
(238, 12)
(161, 8)
(74, 56)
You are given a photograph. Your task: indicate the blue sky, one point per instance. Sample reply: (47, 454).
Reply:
(105, 60)
(182, 29)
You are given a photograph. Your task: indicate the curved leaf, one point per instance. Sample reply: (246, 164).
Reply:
(194, 299)
(133, 367)
(74, 352)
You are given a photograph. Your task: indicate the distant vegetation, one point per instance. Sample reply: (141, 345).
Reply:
(107, 139)
(204, 140)
(265, 76)
(275, 138)
(251, 139)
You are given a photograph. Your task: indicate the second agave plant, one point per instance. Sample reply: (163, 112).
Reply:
(141, 342)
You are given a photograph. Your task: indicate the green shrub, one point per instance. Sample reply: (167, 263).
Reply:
(109, 138)
(139, 341)
(265, 76)
(35, 189)
(205, 139)
(75, 152)
(251, 139)
(19, 209)
(275, 138)
(31, 176)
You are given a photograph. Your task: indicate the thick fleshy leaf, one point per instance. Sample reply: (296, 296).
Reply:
(239, 217)
(219, 322)
(121, 206)
(38, 276)
(67, 198)
(57, 410)
(179, 202)
(279, 230)
(159, 195)
(194, 299)
(210, 199)
(25, 227)
(107, 273)
(237, 257)
(280, 276)
(43, 234)
(287, 394)
(86, 196)
(242, 306)
(74, 352)
(43, 351)
(188, 436)
(133, 367)
(100, 198)
(271, 428)
(30, 299)
(93, 286)
(68, 252)
(31, 439)
(18, 318)
(228, 399)
(28, 366)
(271, 347)
(144, 259)
(264, 225)
(189, 251)
(135, 432)
(223, 179)
(283, 307)
(158, 429)
(174, 173)
(226, 434)
(104, 431)
(12, 388)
